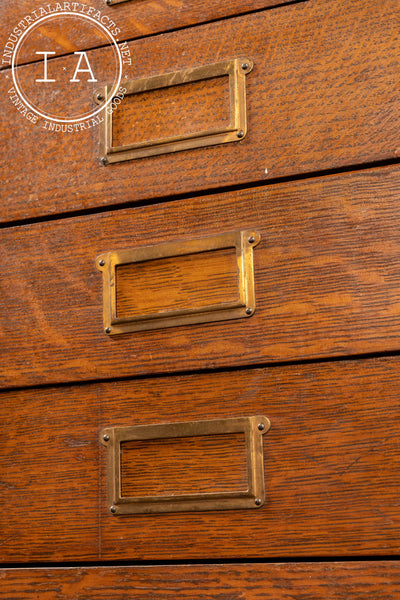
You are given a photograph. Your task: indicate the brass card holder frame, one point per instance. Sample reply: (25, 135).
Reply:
(242, 242)
(236, 130)
(252, 497)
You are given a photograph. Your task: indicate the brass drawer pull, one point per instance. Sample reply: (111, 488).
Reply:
(169, 467)
(206, 113)
(179, 283)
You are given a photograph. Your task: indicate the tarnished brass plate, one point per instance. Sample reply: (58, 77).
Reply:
(249, 492)
(233, 130)
(179, 283)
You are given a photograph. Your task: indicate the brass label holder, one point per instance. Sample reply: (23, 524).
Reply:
(242, 242)
(253, 497)
(236, 130)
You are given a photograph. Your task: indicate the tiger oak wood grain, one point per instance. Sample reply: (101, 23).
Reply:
(314, 581)
(203, 464)
(322, 95)
(331, 463)
(332, 466)
(135, 18)
(180, 282)
(327, 282)
(48, 477)
(175, 111)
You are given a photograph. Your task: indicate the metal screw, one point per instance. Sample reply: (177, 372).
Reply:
(245, 66)
(108, 2)
(257, 502)
(106, 438)
(102, 262)
(103, 160)
(240, 134)
(108, 330)
(114, 510)
(251, 239)
(249, 311)
(99, 96)
(261, 426)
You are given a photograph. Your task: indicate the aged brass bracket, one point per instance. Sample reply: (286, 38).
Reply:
(236, 130)
(253, 496)
(241, 243)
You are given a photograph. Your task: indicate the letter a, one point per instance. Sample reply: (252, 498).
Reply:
(78, 70)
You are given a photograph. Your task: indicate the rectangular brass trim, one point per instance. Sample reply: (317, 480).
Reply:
(111, 2)
(253, 497)
(235, 69)
(242, 242)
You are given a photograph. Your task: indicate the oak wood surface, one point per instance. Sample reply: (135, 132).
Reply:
(190, 465)
(322, 95)
(327, 282)
(48, 477)
(135, 18)
(162, 285)
(332, 463)
(314, 581)
(173, 111)
(332, 466)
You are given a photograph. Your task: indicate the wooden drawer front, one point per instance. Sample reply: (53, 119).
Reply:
(327, 282)
(322, 95)
(331, 463)
(48, 482)
(330, 581)
(134, 18)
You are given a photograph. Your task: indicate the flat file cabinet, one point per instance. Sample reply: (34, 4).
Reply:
(200, 315)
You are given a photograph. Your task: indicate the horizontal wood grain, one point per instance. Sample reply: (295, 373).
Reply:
(314, 581)
(134, 18)
(331, 459)
(48, 478)
(191, 465)
(179, 110)
(176, 283)
(327, 282)
(322, 95)
(332, 466)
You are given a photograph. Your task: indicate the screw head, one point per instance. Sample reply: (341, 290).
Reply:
(99, 96)
(245, 66)
(249, 311)
(108, 330)
(240, 134)
(257, 502)
(102, 262)
(106, 437)
(261, 426)
(113, 510)
(251, 239)
(103, 160)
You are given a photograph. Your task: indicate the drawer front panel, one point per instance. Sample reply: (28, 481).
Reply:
(331, 464)
(303, 115)
(135, 18)
(331, 581)
(326, 280)
(48, 482)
